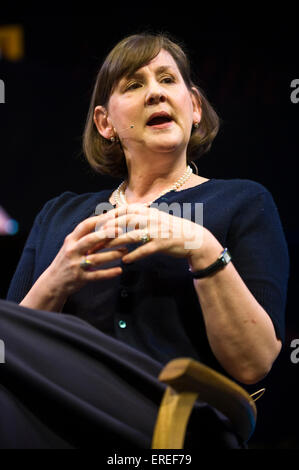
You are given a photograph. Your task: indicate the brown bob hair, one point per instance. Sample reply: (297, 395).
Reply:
(125, 58)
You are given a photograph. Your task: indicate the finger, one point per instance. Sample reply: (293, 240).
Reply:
(97, 240)
(103, 274)
(136, 208)
(98, 259)
(141, 252)
(90, 224)
(133, 236)
(128, 222)
(85, 227)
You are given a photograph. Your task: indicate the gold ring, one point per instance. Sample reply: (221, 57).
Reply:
(145, 238)
(86, 264)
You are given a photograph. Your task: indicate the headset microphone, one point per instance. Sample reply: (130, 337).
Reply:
(130, 127)
(120, 133)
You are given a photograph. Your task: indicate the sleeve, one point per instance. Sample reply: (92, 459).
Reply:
(260, 254)
(22, 279)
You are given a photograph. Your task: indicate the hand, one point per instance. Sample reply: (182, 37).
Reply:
(175, 236)
(65, 275)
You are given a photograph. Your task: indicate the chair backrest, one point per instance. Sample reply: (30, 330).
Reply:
(188, 380)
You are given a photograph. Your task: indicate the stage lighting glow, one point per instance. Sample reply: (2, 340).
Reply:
(8, 226)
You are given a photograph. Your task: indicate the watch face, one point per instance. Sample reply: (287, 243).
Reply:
(226, 257)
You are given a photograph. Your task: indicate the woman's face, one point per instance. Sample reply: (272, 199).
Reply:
(156, 101)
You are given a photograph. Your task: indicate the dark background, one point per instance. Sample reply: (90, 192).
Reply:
(243, 60)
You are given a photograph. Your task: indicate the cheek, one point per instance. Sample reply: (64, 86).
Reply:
(186, 117)
(123, 113)
(184, 106)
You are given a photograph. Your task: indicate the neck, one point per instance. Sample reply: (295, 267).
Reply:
(148, 178)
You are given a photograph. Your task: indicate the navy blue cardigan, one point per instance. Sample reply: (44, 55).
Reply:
(153, 305)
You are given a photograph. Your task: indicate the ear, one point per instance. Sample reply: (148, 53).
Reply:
(196, 101)
(103, 122)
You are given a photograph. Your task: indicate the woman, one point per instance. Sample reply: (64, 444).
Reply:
(174, 285)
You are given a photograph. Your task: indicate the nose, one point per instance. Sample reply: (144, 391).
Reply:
(155, 96)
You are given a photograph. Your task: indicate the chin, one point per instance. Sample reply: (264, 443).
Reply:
(166, 145)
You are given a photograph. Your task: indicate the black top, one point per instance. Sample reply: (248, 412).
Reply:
(153, 305)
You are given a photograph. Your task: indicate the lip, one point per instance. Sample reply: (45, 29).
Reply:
(160, 114)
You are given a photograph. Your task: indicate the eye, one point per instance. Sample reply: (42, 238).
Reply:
(168, 79)
(133, 86)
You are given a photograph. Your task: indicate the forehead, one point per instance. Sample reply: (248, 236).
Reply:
(163, 59)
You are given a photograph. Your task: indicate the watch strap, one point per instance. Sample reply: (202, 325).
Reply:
(223, 259)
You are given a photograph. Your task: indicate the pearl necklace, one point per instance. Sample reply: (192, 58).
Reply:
(120, 198)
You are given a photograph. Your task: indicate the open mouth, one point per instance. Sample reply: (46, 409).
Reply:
(159, 120)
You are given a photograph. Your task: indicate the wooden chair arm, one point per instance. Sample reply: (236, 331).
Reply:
(188, 380)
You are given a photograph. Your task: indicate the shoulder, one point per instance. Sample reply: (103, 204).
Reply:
(235, 192)
(60, 215)
(72, 206)
(224, 194)
(238, 186)
(235, 200)
(245, 196)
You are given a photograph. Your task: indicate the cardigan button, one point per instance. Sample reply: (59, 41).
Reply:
(122, 324)
(124, 293)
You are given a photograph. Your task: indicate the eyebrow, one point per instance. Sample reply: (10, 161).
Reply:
(158, 71)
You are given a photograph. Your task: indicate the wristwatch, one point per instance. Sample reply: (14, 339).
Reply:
(221, 261)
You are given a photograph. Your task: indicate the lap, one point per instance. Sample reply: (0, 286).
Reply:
(75, 378)
(66, 384)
